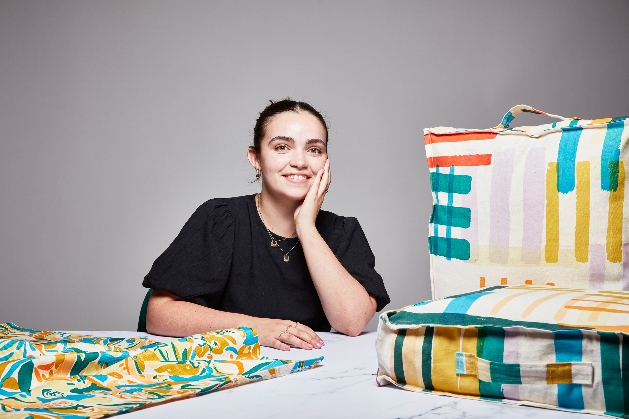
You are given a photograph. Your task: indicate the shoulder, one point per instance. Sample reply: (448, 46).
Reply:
(234, 205)
(336, 227)
(220, 213)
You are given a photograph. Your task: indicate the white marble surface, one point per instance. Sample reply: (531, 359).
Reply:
(343, 386)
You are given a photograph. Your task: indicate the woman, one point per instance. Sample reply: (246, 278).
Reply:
(271, 261)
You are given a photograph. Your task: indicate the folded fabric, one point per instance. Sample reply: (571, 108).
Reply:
(64, 375)
(546, 346)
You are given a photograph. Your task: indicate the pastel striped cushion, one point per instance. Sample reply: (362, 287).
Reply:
(538, 205)
(547, 346)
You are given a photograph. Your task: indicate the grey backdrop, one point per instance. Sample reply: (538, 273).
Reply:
(118, 118)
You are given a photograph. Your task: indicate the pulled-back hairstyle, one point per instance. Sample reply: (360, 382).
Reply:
(276, 108)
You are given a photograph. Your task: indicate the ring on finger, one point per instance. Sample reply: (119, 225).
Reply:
(281, 334)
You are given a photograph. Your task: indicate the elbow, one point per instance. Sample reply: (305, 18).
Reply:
(151, 323)
(354, 328)
(354, 331)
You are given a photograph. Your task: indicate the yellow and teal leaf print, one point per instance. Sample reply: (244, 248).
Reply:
(64, 375)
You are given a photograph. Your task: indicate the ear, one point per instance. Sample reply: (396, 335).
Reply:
(253, 157)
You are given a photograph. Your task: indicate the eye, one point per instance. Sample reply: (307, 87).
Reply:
(315, 150)
(281, 147)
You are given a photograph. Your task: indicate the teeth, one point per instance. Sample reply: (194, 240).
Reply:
(297, 177)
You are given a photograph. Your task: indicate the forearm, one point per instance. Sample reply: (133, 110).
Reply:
(168, 315)
(346, 303)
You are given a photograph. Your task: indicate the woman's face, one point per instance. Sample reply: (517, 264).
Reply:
(292, 152)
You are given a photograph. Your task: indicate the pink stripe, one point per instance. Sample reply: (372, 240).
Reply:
(625, 266)
(534, 198)
(499, 211)
(597, 266)
(510, 356)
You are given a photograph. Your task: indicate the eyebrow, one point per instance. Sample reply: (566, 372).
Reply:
(291, 140)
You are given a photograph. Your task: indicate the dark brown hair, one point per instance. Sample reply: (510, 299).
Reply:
(276, 108)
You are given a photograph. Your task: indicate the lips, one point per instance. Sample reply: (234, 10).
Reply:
(297, 178)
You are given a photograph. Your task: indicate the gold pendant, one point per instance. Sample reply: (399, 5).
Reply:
(286, 258)
(274, 243)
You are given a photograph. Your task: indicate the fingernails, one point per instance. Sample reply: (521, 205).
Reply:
(286, 348)
(309, 346)
(322, 343)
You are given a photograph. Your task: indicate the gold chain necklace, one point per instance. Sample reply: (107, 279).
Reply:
(274, 241)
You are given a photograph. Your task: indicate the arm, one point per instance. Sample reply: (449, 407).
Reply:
(346, 303)
(169, 315)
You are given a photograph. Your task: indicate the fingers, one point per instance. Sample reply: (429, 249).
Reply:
(301, 336)
(314, 191)
(306, 337)
(325, 179)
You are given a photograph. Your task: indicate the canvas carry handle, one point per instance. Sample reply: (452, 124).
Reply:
(531, 373)
(517, 110)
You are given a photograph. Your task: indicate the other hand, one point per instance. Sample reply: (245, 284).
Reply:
(282, 334)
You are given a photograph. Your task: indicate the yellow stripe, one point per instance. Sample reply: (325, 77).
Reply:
(552, 215)
(614, 218)
(582, 227)
(445, 345)
(409, 357)
(600, 121)
(468, 384)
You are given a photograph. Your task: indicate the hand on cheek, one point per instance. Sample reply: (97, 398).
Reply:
(306, 213)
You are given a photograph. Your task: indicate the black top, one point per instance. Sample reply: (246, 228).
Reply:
(222, 259)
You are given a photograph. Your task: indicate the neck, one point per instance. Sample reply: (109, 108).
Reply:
(278, 215)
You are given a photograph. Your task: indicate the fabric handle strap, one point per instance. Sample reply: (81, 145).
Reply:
(540, 373)
(516, 110)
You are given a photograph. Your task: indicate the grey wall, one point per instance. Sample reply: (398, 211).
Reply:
(118, 118)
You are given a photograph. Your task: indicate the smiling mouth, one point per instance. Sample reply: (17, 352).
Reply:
(297, 178)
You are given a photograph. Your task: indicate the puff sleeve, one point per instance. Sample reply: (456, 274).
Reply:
(350, 246)
(197, 263)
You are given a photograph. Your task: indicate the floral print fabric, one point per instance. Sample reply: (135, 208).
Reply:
(62, 375)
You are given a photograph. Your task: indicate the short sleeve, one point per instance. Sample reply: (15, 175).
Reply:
(198, 261)
(349, 244)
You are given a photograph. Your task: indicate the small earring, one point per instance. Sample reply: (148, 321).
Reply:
(258, 174)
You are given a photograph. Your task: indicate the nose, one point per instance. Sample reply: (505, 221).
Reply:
(298, 159)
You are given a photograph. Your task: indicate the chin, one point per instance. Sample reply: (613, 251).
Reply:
(295, 194)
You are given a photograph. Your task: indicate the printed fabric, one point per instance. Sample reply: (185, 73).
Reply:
(541, 205)
(536, 345)
(61, 375)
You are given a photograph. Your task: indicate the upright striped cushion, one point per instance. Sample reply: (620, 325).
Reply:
(547, 346)
(539, 205)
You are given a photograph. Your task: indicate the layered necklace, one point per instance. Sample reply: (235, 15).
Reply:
(275, 242)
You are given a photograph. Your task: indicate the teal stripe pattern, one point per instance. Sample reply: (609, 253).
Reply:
(625, 371)
(429, 332)
(610, 371)
(457, 319)
(505, 373)
(490, 346)
(569, 348)
(445, 182)
(451, 216)
(398, 364)
(449, 247)
(610, 156)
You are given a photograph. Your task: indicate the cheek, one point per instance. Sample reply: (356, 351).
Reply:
(317, 165)
(273, 163)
